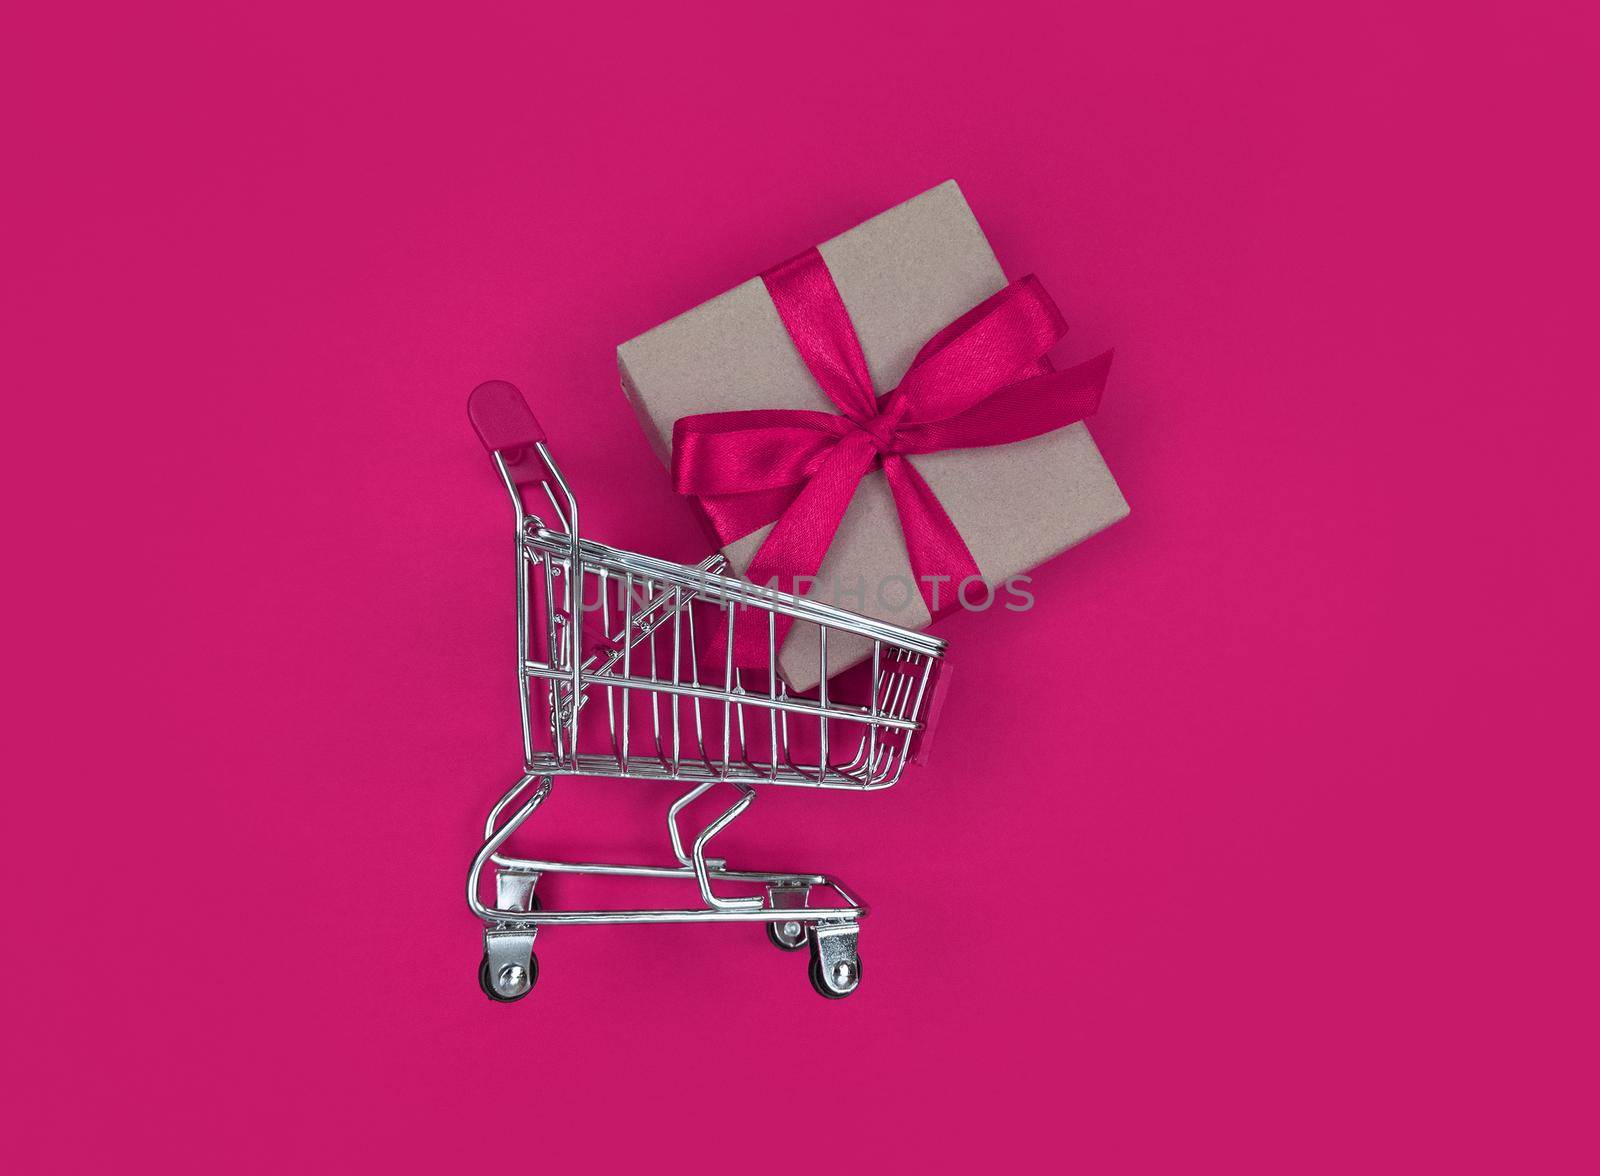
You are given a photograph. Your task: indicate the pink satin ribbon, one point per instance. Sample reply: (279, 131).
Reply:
(983, 380)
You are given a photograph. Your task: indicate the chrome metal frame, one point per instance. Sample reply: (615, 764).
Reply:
(725, 731)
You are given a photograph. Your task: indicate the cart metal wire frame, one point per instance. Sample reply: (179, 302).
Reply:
(595, 620)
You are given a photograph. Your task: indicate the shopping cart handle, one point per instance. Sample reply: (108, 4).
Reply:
(502, 417)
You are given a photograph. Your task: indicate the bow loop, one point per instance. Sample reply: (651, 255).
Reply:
(1001, 340)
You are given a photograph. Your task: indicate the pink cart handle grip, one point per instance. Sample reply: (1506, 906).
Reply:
(502, 417)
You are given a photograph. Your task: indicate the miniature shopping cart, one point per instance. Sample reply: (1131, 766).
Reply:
(610, 647)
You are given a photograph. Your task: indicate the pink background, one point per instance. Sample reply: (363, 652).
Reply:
(1255, 847)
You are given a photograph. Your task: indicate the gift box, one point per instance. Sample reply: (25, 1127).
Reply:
(955, 452)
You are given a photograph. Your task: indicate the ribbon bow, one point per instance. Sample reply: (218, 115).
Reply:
(983, 380)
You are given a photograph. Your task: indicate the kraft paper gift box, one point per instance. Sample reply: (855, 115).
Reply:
(903, 275)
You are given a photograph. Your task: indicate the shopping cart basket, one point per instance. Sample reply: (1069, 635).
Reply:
(609, 673)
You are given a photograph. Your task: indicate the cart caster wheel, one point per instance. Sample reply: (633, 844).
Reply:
(787, 936)
(844, 978)
(520, 985)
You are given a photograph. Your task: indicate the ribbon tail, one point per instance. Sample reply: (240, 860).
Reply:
(938, 553)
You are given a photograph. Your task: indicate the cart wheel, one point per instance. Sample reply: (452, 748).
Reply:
(846, 983)
(787, 936)
(486, 983)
